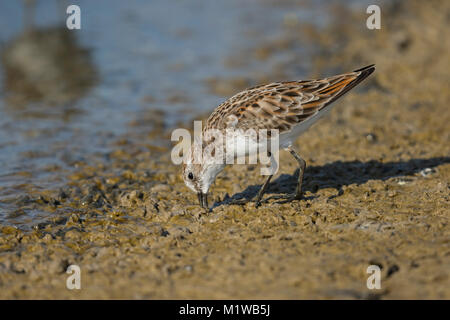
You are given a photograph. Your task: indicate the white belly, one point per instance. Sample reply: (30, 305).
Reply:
(242, 146)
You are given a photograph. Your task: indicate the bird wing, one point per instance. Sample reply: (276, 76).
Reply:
(282, 105)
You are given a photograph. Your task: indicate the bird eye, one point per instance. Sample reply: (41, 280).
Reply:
(190, 176)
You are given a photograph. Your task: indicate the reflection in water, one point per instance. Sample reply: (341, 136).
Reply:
(46, 65)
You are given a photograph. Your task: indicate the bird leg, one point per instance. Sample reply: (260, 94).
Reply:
(262, 190)
(298, 191)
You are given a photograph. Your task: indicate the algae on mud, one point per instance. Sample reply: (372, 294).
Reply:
(376, 192)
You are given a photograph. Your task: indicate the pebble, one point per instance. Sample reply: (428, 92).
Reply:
(427, 172)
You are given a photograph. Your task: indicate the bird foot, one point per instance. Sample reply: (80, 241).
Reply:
(284, 197)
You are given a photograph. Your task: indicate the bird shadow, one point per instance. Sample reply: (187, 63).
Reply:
(338, 174)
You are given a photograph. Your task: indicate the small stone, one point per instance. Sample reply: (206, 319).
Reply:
(427, 172)
(370, 137)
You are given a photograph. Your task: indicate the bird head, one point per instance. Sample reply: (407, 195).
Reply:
(199, 173)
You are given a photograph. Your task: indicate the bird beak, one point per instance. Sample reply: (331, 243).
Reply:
(203, 199)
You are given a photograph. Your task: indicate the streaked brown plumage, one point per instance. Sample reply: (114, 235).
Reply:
(282, 105)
